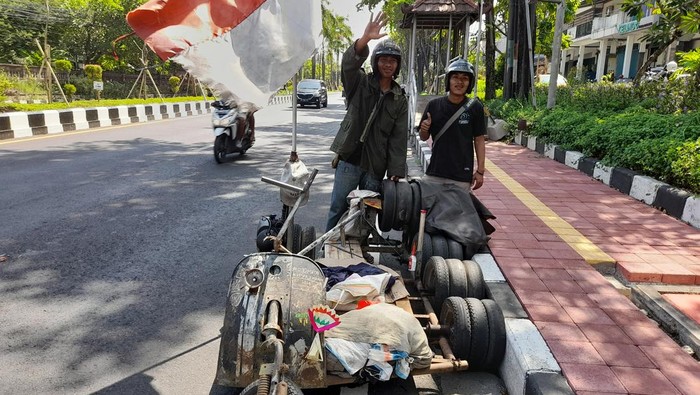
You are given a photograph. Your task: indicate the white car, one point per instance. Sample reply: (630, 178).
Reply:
(544, 79)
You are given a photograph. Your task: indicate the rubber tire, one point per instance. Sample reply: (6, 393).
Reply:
(454, 249)
(476, 287)
(436, 279)
(308, 236)
(415, 211)
(497, 336)
(297, 238)
(318, 105)
(426, 253)
(440, 246)
(458, 278)
(455, 314)
(480, 334)
(220, 148)
(386, 216)
(252, 388)
(404, 203)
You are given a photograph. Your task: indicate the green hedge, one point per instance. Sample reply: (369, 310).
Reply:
(653, 128)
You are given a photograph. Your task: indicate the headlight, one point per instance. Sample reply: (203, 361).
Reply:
(225, 120)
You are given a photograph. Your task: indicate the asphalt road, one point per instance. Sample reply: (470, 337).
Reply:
(120, 243)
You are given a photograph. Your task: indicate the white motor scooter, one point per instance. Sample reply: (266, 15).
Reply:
(225, 119)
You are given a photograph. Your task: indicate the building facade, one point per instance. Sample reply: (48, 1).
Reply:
(606, 39)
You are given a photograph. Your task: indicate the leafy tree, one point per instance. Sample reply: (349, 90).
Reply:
(70, 90)
(94, 74)
(63, 66)
(336, 34)
(174, 83)
(690, 62)
(24, 21)
(676, 19)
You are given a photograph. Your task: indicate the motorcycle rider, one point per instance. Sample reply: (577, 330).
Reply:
(240, 128)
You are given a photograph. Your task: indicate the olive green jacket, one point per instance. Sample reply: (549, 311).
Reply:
(385, 141)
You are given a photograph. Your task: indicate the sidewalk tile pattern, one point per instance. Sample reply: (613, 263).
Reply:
(554, 224)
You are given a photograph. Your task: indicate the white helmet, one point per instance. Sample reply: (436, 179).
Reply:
(671, 66)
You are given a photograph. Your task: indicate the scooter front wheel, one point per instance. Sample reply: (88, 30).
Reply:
(220, 148)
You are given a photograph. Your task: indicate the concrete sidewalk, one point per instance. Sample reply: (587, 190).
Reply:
(586, 262)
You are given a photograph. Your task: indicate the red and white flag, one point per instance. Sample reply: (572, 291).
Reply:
(244, 50)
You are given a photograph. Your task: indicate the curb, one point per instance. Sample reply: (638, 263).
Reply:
(675, 202)
(27, 124)
(649, 297)
(528, 367)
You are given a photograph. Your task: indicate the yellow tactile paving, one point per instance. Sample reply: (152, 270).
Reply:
(584, 247)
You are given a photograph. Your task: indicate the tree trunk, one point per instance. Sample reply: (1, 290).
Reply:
(490, 56)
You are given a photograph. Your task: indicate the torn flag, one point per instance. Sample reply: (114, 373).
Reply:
(244, 50)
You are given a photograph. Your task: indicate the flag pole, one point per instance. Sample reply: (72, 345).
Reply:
(293, 156)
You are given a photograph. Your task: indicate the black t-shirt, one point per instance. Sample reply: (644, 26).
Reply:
(453, 155)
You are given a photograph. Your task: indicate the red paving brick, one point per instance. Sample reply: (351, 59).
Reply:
(689, 304)
(603, 343)
(688, 383)
(644, 381)
(595, 378)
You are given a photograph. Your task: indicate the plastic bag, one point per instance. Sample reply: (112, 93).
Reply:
(293, 173)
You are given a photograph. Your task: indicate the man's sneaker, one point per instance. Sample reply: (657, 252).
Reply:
(238, 143)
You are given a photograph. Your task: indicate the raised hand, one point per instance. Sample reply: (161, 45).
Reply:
(374, 27)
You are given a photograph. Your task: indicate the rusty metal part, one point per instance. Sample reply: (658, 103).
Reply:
(282, 388)
(436, 330)
(253, 278)
(264, 385)
(442, 341)
(296, 283)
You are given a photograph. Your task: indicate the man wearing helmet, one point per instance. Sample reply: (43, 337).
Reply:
(372, 138)
(452, 157)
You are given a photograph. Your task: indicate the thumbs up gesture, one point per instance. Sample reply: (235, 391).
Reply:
(425, 124)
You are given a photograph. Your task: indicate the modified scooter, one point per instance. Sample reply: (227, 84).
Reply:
(225, 119)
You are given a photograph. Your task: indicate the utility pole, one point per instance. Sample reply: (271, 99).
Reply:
(530, 51)
(556, 54)
(510, 52)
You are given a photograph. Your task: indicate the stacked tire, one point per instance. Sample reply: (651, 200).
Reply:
(457, 292)
(401, 205)
(439, 245)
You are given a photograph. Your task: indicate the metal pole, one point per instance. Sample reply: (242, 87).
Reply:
(530, 53)
(467, 22)
(556, 54)
(294, 113)
(510, 51)
(478, 49)
(449, 42)
(412, 79)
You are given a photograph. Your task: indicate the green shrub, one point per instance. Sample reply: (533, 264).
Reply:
(63, 66)
(651, 157)
(564, 127)
(5, 84)
(70, 90)
(174, 83)
(685, 167)
(116, 90)
(93, 72)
